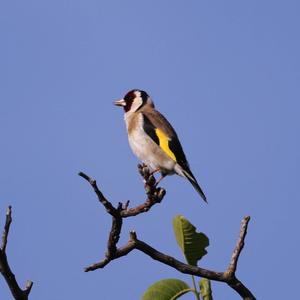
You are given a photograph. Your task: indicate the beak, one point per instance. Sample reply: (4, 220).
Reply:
(120, 102)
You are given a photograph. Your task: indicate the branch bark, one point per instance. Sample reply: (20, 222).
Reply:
(154, 196)
(5, 269)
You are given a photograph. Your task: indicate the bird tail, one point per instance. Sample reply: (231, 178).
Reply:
(191, 178)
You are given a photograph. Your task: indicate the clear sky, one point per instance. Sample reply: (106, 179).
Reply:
(225, 73)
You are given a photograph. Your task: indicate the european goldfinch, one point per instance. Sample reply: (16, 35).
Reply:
(152, 138)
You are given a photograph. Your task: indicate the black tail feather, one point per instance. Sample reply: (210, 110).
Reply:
(191, 178)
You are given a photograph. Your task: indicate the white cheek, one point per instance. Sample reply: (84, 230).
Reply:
(136, 103)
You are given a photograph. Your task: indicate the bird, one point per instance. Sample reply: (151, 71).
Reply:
(153, 139)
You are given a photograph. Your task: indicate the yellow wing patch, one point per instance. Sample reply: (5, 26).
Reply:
(164, 143)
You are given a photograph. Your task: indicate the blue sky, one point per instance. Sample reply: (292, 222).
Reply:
(226, 74)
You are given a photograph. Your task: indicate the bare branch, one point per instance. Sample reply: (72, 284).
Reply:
(108, 206)
(154, 196)
(5, 270)
(134, 243)
(114, 234)
(28, 287)
(122, 251)
(239, 246)
(8, 221)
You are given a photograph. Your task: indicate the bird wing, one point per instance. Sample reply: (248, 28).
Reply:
(163, 134)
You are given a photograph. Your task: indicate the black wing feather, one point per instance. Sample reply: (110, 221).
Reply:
(149, 128)
(176, 148)
(173, 143)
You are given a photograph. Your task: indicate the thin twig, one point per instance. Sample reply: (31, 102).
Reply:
(154, 195)
(5, 269)
(239, 246)
(8, 221)
(122, 251)
(108, 206)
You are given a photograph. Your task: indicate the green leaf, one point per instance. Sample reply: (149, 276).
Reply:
(166, 289)
(205, 289)
(192, 243)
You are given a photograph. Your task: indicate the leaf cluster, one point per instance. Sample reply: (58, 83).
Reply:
(193, 245)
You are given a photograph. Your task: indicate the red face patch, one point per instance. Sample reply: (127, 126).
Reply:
(129, 97)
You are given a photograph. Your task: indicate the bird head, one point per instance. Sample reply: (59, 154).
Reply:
(134, 100)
